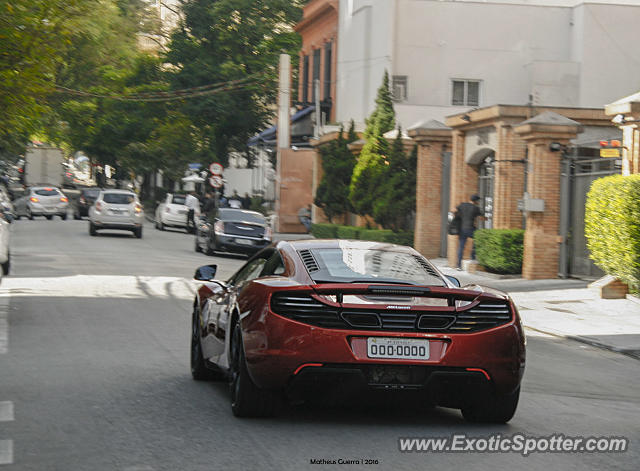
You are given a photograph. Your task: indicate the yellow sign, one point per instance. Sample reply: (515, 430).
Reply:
(610, 153)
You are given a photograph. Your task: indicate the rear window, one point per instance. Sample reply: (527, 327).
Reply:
(118, 198)
(47, 192)
(92, 193)
(178, 199)
(357, 265)
(239, 215)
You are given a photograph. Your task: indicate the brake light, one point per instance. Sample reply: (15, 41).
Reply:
(480, 370)
(167, 210)
(218, 227)
(33, 199)
(64, 199)
(268, 233)
(138, 208)
(98, 206)
(68, 174)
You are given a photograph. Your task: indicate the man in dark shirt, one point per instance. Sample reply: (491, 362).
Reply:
(468, 212)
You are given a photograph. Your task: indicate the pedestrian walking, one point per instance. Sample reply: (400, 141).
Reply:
(467, 212)
(304, 215)
(246, 201)
(193, 204)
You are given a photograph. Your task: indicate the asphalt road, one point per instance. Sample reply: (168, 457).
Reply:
(95, 376)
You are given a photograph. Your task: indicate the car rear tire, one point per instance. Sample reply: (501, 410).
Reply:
(161, 225)
(6, 266)
(63, 216)
(492, 408)
(199, 370)
(198, 248)
(247, 400)
(29, 214)
(49, 218)
(76, 216)
(138, 233)
(92, 229)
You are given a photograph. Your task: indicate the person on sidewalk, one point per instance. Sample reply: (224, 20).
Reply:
(193, 204)
(304, 215)
(467, 212)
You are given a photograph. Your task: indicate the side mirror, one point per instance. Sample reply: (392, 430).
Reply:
(206, 273)
(454, 280)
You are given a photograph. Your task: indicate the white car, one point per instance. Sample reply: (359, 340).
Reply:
(5, 254)
(116, 209)
(44, 201)
(172, 212)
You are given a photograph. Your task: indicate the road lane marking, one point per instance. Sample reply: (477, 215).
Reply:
(6, 411)
(6, 451)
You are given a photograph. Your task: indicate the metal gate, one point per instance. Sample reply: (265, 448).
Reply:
(577, 175)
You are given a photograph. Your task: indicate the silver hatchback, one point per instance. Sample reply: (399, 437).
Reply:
(116, 209)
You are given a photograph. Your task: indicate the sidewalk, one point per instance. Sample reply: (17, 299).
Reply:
(567, 308)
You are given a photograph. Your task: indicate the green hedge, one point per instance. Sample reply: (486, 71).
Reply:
(335, 231)
(500, 250)
(348, 232)
(612, 227)
(324, 231)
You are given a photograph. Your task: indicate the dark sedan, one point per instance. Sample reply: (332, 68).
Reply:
(86, 199)
(232, 230)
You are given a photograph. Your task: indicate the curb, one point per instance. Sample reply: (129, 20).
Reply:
(635, 354)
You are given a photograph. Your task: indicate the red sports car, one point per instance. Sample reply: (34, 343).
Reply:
(338, 318)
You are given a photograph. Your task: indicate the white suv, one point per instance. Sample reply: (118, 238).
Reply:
(116, 209)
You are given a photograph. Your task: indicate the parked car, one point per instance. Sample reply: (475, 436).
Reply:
(6, 205)
(336, 318)
(116, 209)
(86, 199)
(172, 212)
(44, 201)
(232, 230)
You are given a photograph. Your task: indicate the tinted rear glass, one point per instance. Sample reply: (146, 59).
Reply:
(239, 215)
(47, 192)
(354, 265)
(118, 198)
(91, 193)
(178, 199)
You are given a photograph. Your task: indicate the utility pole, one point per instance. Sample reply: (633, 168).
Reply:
(284, 123)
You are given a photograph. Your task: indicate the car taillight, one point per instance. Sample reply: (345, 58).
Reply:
(98, 206)
(68, 174)
(167, 210)
(64, 199)
(33, 199)
(138, 209)
(218, 227)
(268, 233)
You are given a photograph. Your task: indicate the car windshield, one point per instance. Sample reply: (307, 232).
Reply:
(355, 264)
(46, 192)
(239, 215)
(178, 199)
(118, 198)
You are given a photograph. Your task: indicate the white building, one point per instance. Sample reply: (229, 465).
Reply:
(166, 14)
(448, 56)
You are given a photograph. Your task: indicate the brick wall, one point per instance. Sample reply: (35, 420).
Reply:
(508, 178)
(428, 199)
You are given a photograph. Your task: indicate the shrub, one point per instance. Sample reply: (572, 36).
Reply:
(375, 235)
(401, 238)
(324, 231)
(612, 227)
(347, 232)
(500, 250)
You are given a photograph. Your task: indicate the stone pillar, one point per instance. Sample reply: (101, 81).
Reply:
(433, 138)
(508, 181)
(464, 183)
(542, 237)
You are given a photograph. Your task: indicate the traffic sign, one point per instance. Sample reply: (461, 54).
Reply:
(216, 168)
(611, 153)
(215, 181)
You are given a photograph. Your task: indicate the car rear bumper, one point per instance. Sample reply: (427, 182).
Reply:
(176, 220)
(279, 349)
(42, 210)
(238, 244)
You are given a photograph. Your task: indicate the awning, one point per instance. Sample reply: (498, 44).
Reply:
(268, 136)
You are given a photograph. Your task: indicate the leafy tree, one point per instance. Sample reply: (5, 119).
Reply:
(338, 162)
(397, 196)
(227, 40)
(368, 174)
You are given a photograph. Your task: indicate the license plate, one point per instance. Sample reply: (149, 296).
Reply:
(244, 241)
(182, 211)
(398, 349)
(49, 208)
